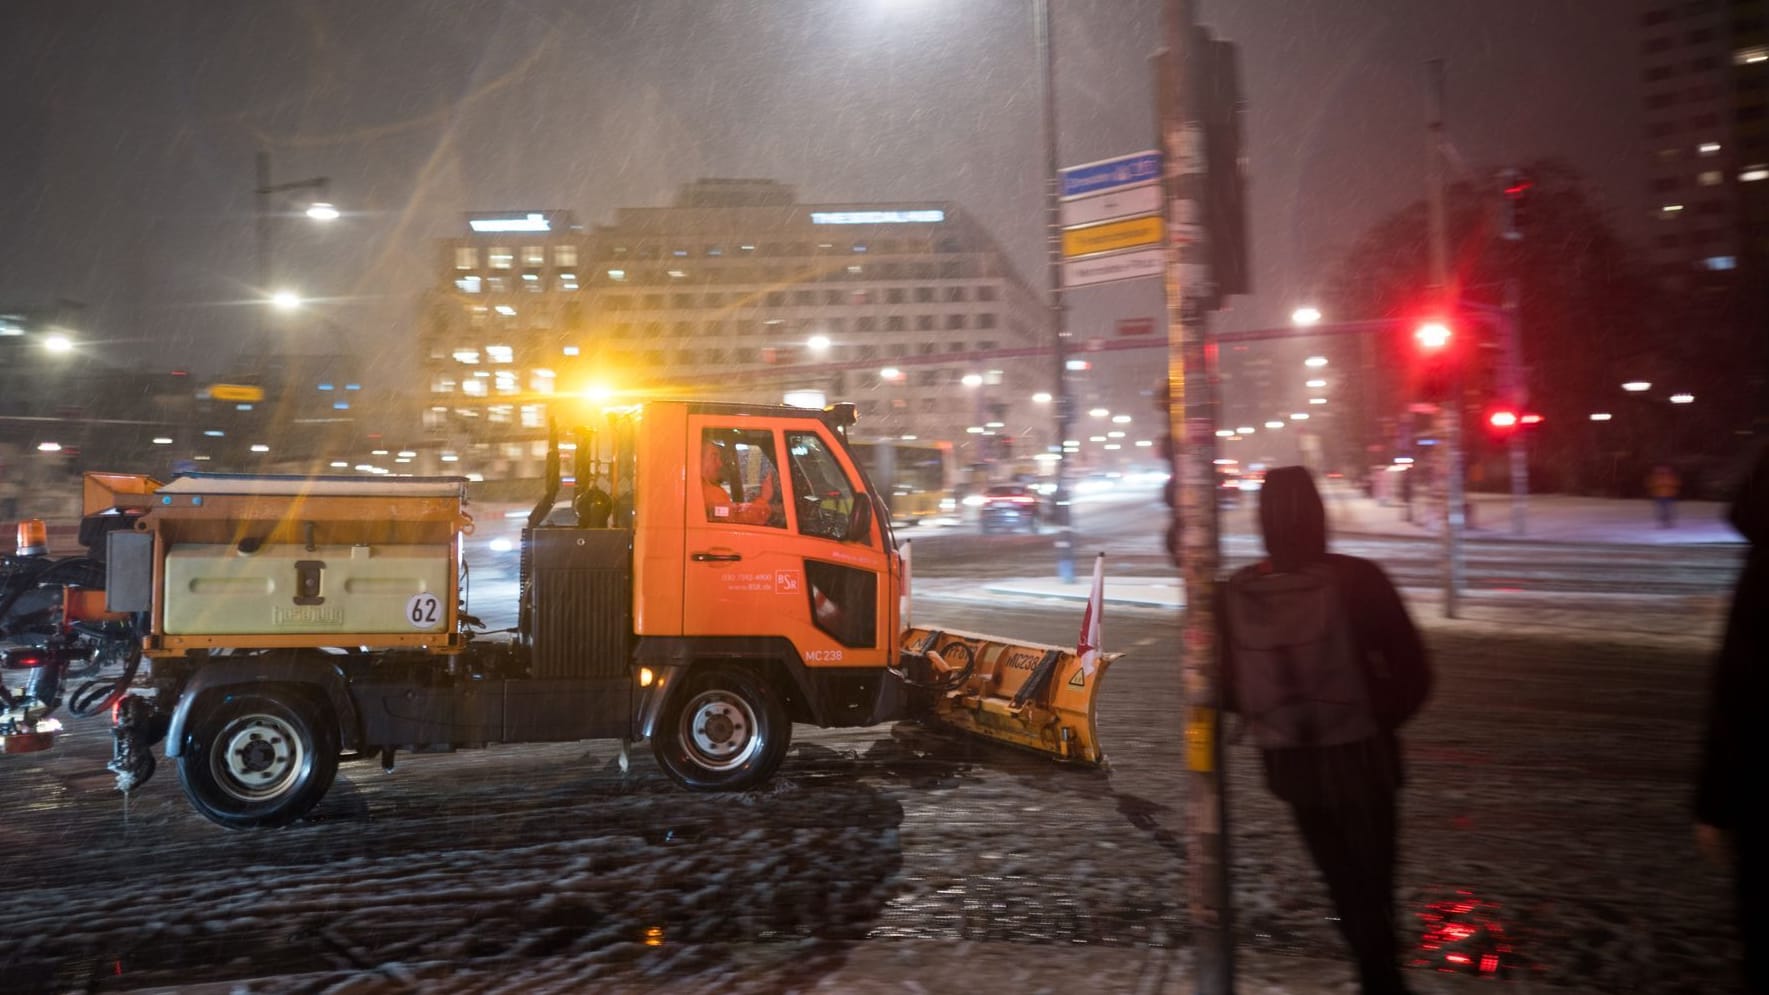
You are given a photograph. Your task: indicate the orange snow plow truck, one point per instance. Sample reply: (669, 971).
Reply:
(727, 571)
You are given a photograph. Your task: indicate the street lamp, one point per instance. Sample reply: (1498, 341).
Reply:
(1305, 316)
(318, 209)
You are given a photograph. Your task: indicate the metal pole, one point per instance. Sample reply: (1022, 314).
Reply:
(1518, 395)
(1053, 239)
(1453, 497)
(1192, 424)
(1516, 389)
(262, 206)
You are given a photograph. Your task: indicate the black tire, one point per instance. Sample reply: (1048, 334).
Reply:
(262, 756)
(721, 730)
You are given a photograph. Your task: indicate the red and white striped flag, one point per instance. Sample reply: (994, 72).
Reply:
(1087, 646)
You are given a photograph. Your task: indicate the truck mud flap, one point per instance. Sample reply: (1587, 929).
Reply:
(1025, 694)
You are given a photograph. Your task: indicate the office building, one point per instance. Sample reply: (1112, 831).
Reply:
(736, 291)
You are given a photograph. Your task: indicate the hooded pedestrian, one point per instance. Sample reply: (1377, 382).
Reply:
(1731, 824)
(1323, 664)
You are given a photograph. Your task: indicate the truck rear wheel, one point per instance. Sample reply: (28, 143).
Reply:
(722, 730)
(258, 757)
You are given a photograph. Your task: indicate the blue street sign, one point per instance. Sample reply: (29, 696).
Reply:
(1124, 171)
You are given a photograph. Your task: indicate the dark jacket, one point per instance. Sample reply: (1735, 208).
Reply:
(1294, 523)
(1731, 781)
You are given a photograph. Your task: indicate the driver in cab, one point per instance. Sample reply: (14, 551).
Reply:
(719, 505)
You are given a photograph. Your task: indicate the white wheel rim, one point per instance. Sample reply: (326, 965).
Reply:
(719, 729)
(257, 757)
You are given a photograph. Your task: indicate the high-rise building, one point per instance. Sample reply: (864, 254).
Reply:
(736, 291)
(1705, 73)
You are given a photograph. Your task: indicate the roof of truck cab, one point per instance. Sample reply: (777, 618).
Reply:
(295, 485)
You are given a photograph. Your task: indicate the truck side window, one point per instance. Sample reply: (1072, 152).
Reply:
(739, 482)
(821, 491)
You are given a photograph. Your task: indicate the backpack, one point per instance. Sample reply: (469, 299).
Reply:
(1298, 673)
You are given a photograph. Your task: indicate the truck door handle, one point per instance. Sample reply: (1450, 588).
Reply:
(715, 557)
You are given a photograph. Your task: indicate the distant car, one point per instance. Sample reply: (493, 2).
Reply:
(1009, 508)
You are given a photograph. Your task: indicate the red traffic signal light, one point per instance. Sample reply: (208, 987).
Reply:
(1432, 336)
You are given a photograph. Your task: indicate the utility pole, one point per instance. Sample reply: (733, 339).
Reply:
(1053, 239)
(1192, 428)
(1454, 507)
(1516, 388)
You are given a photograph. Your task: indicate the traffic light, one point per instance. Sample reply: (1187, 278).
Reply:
(1433, 337)
(1218, 84)
(1435, 351)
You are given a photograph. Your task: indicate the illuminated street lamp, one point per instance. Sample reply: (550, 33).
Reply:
(818, 343)
(58, 343)
(1637, 386)
(285, 300)
(1315, 362)
(318, 209)
(1305, 316)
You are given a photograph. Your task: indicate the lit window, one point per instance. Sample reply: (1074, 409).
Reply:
(1711, 178)
(443, 385)
(466, 257)
(1754, 172)
(571, 350)
(468, 356)
(565, 255)
(499, 257)
(617, 275)
(473, 387)
(541, 381)
(468, 284)
(534, 255)
(1708, 148)
(534, 416)
(500, 353)
(1720, 262)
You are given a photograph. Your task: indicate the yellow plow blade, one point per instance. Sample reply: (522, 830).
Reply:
(1025, 694)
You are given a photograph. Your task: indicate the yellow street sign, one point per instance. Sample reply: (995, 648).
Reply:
(235, 392)
(1112, 236)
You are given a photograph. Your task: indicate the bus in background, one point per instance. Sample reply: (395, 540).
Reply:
(919, 477)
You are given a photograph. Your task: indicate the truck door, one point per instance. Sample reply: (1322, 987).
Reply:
(771, 547)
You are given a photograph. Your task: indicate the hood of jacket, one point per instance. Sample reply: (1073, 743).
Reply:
(1292, 518)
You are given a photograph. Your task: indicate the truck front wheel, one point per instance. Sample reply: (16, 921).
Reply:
(722, 730)
(258, 757)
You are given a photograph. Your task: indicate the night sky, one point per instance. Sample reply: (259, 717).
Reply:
(126, 167)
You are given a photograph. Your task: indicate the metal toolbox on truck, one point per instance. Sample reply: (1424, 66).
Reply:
(213, 588)
(264, 562)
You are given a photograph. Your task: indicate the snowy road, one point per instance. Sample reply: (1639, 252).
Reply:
(1548, 779)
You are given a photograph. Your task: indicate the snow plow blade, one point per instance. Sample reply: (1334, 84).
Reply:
(1024, 694)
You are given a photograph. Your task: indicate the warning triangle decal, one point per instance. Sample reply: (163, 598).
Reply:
(1079, 680)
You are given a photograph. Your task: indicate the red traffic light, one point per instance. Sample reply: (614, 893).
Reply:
(1432, 336)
